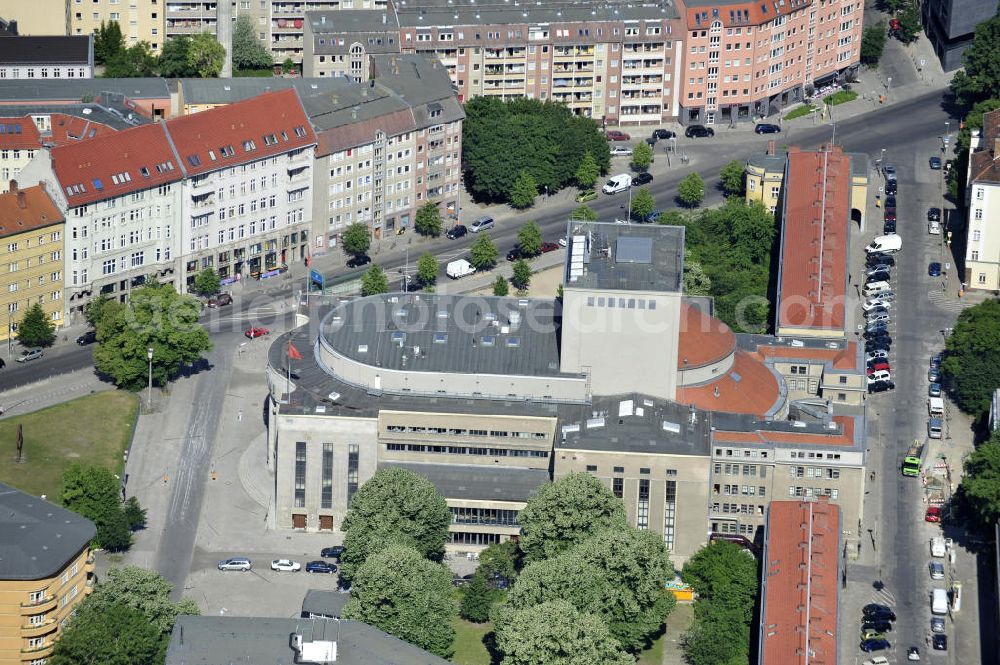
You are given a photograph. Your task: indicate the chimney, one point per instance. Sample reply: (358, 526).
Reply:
(13, 186)
(770, 147)
(22, 203)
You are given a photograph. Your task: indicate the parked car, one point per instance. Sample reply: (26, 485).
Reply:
(889, 227)
(286, 566)
(877, 317)
(934, 269)
(871, 634)
(620, 151)
(891, 186)
(878, 625)
(940, 642)
(937, 623)
(874, 645)
(641, 179)
(876, 355)
(460, 230)
(949, 164)
(913, 653)
(320, 567)
(890, 201)
(874, 276)
(880, 386)
(358, 260)
(699, 131)
(332, 552)
(879, 343)
(934, 214)
(933, 375)
(582, 197)
(549, 247)
(880, 260)
(874, 305)
(880, 375)
(663, 134)
(514, 254)
(29, 354)
(481, 224)
(236, 563)
(88, 337)
(767, 128)
(889, 215)
(934, 228)
(933, 514)
(937, 572)
(615, 135)
(935, 163)
(880, 366)
(618, 183)
(651, 217)
(934, 361)
(878, 333)
(220, 300)
(890, 173)
(934, 390)
(253, 332)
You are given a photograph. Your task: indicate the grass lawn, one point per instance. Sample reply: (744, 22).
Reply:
(90, 430)
(803, 110)
(469, 647)
(654, 654)
(840, 97)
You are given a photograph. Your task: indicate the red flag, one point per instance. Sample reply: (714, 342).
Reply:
(293, 353)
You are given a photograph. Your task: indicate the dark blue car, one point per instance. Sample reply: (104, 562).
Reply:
(320, 567)
(934, 269)
(332, 552)
(874, 645)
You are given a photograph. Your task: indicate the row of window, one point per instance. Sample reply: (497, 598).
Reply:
(830, 473)
(749, 470)
(491, 516)
(831, 492)
(464, 450)
(459, 431)
(737, 490)
(738, 508)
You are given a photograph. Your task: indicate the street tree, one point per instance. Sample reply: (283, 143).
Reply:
(587, 172)
(135, 514)
(529, 239)
(206, 55)
(521, 276)
(909, 22)
(732, 178)
(483, 253)
(207, 282)
(477, 599)
(112, 635)
(979, 79)
(564, 513)
(971, 365)
(873, 40)
(36, 327)
(524, 191)
(394, 506)
(556, 633)
(584, 213)
(500, 287)
(374, 281)
(94, 310)
(248, 52)
(691, 190)
(356, 239)
(642, 157)
(94, 492)
(427, 269)
(643, 203)
(136, 61)
(109, 42)
(173, 60)
(428, 220)
(400, 592)
(155, 317)
(145, 591)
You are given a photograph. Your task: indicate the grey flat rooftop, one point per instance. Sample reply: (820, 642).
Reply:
(447, 333)
(624, 257)
(740, 422)
(208, 640)
(37, 538)
(74, 90)
(478, 481)
(324, 602)
(634, 423)
(434, 13)
(352, 20)
(770, 163)
(116, 119)
(228, 91)
(750, 342)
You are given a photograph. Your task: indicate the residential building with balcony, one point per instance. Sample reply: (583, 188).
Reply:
(385, 147)
(46, 570)
(982, 198)
(746, 60)
(31, 238)
(139, 20)
(48, 57)
(246, 207)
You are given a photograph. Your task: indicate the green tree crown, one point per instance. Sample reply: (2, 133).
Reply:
(643, 203)
(374, 281)
(691, 190)
(356, 239)
(524, 191)
(500, 287)
(642, 157)
(36, 327)
(529, 239)
(732, 178)
(207, 282)
(521, 276)
(248, 52)
(427, 269)
(483, 253)
(428, 220)
(587, 172)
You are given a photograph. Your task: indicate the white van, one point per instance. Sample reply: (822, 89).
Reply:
(934, 228)
(935, 406)
(939, 601)
(937, 547)
(618, 183)
(876, 288)
(885, 244)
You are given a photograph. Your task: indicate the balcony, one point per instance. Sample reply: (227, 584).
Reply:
(43, 651)
(39, 606)
(37, 630)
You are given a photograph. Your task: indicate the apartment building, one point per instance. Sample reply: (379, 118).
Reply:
(38, 17)
(31, 238)
(46, 571)
(139, 20)
(745, 60)
(49, 57)
(341, 43)
(982, 198)
(951, 24)
(247, 191)
(386, 147)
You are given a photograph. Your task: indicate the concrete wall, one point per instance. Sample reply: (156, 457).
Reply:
(623, 350)
(695, 375)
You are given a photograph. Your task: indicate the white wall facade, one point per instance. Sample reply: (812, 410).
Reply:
(42, 72)
(982, 253)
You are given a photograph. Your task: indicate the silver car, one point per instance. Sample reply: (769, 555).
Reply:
(29, 354)
(937, 570)
(236, 563)
(481, 224)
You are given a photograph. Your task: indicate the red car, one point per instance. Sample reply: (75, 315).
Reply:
(549, 247)
(615, 135)
(254, 332)
(875, 367)
(933, 514)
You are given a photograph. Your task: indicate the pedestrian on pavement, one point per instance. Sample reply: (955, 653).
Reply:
(239, 416)
(873, 475)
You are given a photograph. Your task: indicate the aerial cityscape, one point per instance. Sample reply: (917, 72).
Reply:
(499, 332)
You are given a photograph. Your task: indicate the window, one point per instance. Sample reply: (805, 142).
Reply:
(977, 234)
(642, 514)
(592, 468)
(981, 280)
(352, 471)
(979, 213)
(974, 255)
(326, 488)
(300, 474)
(617, 486)
(669, 514)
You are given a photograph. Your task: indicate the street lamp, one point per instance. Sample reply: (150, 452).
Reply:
(149, 397)
(10, 332)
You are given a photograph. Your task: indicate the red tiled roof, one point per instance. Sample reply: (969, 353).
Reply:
(703, 339)
(815, 231)
(19, 133)
(845, 358)
(748, 387)
(69, 128)
(115, 164)
(245, 131)
(986, 160)
(26, 209)
(801, 569)
(842, 436)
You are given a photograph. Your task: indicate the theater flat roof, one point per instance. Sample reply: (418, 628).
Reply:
(624, 257)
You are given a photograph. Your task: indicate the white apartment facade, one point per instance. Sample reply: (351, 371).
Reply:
(982, 254)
